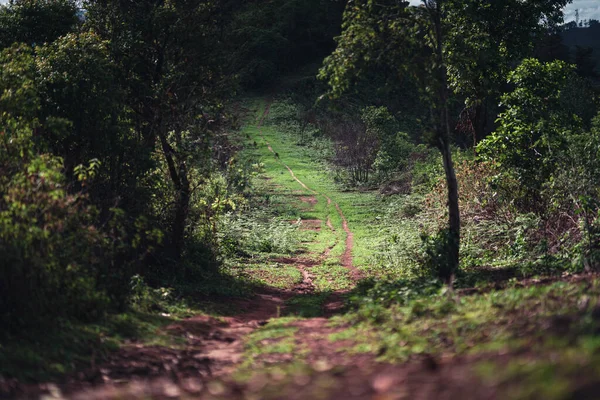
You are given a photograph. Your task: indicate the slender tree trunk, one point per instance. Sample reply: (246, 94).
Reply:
(453, 214)
(182, 197)
(182, 205)
(453, 242)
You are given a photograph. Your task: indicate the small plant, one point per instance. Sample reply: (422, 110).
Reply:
(255, 232)
(436, 250)
(147, 299)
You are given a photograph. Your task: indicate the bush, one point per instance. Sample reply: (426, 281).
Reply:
(256, 233)
(574, 192)
(51, 252)
(547, 106)
(436, 248)
(56, 262)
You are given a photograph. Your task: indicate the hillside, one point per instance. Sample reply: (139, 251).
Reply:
(588, 37)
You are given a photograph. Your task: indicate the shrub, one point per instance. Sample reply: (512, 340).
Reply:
(436, 248)
(55, 260)
(50, 248)
(547, 105)
(256, 233)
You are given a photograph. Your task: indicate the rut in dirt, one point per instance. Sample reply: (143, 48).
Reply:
(346, 259)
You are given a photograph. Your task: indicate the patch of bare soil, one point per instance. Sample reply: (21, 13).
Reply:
(311, 224)
(312, 200)
(347, 256)
(330, 225)
(331, 374)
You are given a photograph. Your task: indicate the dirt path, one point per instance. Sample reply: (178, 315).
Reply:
(346, 258)
(211, 349)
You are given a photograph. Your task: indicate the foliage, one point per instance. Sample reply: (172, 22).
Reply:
(255, 232)
(541, 112)
(268, 39)
(48, 246)
(19, 95)
(574, 188)
(371, 149)
(36, 22)
(485, 39)
(436, 248)
(395, 147)
(77, 66)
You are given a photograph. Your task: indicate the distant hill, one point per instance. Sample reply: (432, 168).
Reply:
(588, 36)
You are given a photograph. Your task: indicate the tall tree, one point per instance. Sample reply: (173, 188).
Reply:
(449, 46)
(168, 53)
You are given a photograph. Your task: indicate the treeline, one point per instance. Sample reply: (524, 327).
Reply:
(115, 157)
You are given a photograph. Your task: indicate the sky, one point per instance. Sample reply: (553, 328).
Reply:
(587, 9)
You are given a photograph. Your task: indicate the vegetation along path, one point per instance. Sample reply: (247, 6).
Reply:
(411, 212)
(262, 331)
(293, 338)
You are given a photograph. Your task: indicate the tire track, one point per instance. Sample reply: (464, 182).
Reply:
(346, 259)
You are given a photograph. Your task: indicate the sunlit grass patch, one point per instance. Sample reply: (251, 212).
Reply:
(331, 277)
(505, 319)
(307, 305)
(275, 339)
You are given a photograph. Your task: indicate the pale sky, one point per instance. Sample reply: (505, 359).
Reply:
(588, 9)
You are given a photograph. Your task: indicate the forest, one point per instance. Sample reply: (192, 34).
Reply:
(299, 199)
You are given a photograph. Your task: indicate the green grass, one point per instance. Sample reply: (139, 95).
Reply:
(274, 274)
(567, 369)
(513, 318)
(306, 306)
(276, 339)
(361, 209)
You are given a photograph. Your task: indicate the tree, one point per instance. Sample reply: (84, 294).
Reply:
(168, 53)
(411, 39)
(81, 103)
(456, 46)
(548, 103)
(356, 150)
(36, 22)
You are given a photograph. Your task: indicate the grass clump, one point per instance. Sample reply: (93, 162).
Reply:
(420, 320)
(276, 339)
